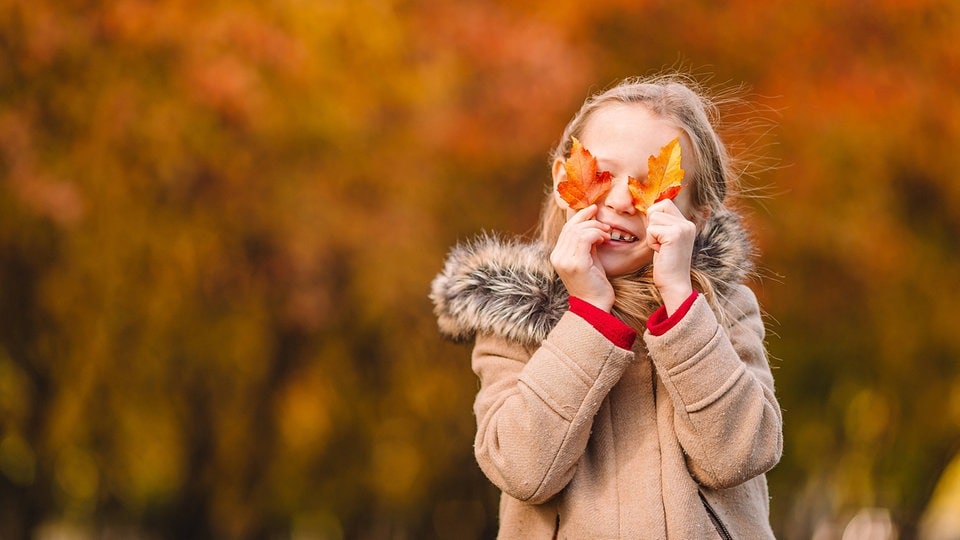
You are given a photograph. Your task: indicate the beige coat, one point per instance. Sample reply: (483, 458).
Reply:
(611, 443)
(590, 441)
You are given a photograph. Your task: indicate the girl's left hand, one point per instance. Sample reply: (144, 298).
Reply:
(671, 236)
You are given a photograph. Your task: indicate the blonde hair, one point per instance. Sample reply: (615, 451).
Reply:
(676, 99)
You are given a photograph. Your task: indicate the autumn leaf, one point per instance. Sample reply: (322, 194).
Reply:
(584, 185)
(664, 177)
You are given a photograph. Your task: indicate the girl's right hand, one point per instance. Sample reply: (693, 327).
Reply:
(576, 262)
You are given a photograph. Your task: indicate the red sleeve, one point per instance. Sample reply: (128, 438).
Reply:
(658, 323)
(617, 331)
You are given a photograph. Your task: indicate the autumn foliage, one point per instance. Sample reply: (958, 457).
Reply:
(218, 223)
(664, 178)
(584, 184)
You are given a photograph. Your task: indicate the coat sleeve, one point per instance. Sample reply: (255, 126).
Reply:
(727, 418)
(535, 410)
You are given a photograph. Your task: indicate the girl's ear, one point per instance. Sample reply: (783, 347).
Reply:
(559, 175)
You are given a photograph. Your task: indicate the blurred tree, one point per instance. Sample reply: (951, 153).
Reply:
(218, 224)
(206, 330)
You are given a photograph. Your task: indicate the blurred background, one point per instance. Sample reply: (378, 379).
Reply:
(219, 221)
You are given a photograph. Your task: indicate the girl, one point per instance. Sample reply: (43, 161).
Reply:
(588, 431)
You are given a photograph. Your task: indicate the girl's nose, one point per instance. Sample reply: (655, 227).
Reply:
(619, 198)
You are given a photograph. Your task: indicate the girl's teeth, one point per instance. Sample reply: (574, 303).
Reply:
(617, 235)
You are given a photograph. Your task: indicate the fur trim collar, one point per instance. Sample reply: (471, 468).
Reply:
(508, 287)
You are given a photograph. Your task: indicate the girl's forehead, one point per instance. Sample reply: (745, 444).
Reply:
(619, 108)
(625, 135)
(623, 122)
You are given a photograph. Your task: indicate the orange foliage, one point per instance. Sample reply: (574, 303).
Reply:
(584, 183)
(218, 223)
(664, 177)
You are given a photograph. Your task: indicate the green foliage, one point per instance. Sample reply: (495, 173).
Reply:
(218, 223)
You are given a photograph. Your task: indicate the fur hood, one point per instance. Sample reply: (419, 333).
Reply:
(508, 287)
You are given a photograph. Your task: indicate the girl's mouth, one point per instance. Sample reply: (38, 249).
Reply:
(620, 236)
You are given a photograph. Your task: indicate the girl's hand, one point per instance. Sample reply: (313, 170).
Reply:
(671, 236)
(576, 262)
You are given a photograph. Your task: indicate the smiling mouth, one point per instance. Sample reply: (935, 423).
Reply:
(620, 236)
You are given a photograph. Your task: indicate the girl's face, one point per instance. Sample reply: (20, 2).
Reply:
(622, 137)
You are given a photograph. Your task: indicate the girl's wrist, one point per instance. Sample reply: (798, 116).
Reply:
(600, 299)
(600, 303)
(660, 322)
(674, 297)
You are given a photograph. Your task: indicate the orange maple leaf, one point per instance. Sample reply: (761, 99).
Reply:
(584, 185)
(664, 177)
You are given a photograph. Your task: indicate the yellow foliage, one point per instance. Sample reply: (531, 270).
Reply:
(218, 222)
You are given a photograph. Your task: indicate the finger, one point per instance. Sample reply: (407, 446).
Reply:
(572, 231)
(652, 238)
(673, 230)
(584, 243)
(588, 216)
(665, 206)
(584, 214)
(581, 238)
(592, 237)
(669, 219)
(575, 230)
(661, 234)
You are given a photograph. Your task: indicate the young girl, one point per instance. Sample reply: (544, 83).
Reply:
(588, 431)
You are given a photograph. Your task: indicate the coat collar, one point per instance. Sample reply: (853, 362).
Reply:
(508, 287)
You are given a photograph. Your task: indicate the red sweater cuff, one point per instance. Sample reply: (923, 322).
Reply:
(658, 323)
(617, 331)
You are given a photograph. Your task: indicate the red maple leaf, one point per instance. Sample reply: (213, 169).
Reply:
(584, 184)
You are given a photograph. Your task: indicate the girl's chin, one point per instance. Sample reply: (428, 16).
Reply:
(621, 263)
